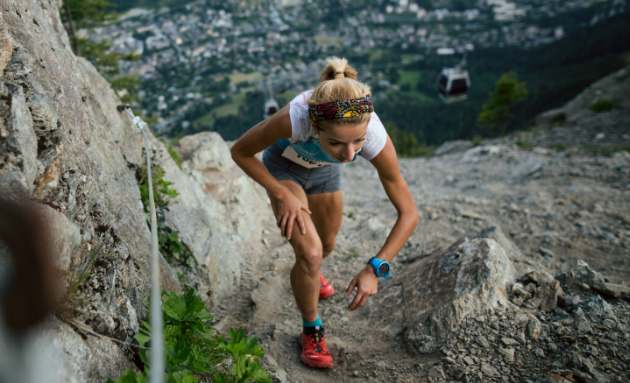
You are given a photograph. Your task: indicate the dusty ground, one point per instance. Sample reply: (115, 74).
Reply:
(556, 206)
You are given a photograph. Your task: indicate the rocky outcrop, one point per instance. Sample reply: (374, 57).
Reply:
(614, 88)
(451, 147)
(582, 339)
(206, 159)
(443, 289)
(489, 326)
(64, 145)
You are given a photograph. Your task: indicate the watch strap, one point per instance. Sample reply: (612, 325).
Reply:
(376, 264)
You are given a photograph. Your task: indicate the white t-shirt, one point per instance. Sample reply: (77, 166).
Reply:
(305, 143)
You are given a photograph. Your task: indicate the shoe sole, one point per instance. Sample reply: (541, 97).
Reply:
(310, 363)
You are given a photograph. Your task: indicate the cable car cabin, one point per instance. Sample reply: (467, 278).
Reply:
(271, 107)
(453, 85)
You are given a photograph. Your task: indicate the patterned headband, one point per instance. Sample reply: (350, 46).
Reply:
(341, 108)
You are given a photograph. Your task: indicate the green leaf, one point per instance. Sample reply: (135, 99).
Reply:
(184, 376)
(250, 343)
(260, 375)
(179, 353)
(175, 308)
(142, 339)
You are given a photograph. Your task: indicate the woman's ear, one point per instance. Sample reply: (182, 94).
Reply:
(314, 127)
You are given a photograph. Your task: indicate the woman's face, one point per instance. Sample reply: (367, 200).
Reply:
(342, 142)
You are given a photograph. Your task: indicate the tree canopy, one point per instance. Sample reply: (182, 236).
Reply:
(496, 112)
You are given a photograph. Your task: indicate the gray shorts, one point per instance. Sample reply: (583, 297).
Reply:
(326, 179)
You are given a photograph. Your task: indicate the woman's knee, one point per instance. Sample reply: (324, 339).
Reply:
(310, 259)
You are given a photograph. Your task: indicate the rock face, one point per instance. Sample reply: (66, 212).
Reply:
(18, 145)
(206, 159)
(443, 289)
(64, 144)
(614, 87)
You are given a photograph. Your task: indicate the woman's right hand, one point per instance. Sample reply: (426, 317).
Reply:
(290, 209)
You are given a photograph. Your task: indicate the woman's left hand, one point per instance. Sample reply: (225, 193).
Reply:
(367, 285)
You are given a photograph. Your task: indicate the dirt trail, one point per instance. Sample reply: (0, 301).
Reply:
(558, 208)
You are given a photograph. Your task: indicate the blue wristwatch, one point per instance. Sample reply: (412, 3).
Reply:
(381, 268)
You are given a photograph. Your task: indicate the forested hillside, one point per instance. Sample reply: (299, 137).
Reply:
(554, 74)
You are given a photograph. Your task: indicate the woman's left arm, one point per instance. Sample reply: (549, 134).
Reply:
(386, 163)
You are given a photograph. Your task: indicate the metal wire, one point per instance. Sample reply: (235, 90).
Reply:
(156, 367)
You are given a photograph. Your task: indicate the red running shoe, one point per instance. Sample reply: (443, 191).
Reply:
(326, 289)
(314, 350)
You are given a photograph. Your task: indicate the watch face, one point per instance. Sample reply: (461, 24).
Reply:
(383, 269)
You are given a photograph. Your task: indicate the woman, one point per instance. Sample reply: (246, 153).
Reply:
(305, 142)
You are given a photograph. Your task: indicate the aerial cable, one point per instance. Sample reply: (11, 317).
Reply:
(156, 367)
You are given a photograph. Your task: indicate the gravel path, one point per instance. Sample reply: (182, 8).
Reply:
(556, 206)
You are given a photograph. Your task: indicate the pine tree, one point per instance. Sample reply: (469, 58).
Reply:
(496, 113)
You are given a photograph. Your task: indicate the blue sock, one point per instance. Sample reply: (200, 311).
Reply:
(317, 322)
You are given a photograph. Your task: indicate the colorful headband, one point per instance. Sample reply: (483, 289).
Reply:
(341, 108)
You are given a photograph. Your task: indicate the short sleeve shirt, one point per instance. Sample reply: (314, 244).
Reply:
(305, 143)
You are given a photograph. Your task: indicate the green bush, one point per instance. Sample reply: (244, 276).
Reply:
(245, 367)
(191, 348)
(174, 155)
(162, 191)
(602, 105)
(524, 145)
(558, 147)
(407, 144)
(477, 140)
(171, 248)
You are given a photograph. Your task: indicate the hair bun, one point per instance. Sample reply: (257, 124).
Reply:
(338, 68)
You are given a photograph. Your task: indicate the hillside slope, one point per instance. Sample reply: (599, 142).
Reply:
(500, 282)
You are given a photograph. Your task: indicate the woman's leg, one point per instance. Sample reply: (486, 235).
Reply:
(327, 209)
(308, 258)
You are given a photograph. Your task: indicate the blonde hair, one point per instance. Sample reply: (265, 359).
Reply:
(339, 82)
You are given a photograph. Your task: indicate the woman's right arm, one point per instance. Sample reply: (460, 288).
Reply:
(258, 138)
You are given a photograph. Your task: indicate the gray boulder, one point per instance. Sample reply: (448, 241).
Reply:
(483, 153)
(527, 168)
(452, 147)
(581, 273)
(438, 292)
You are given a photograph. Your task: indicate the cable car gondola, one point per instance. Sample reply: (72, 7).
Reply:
(454, 83)
(271, 105)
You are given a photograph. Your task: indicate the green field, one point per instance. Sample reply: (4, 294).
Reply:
(230, 109)
(412, 77)
(237, 78)
(376, 55)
